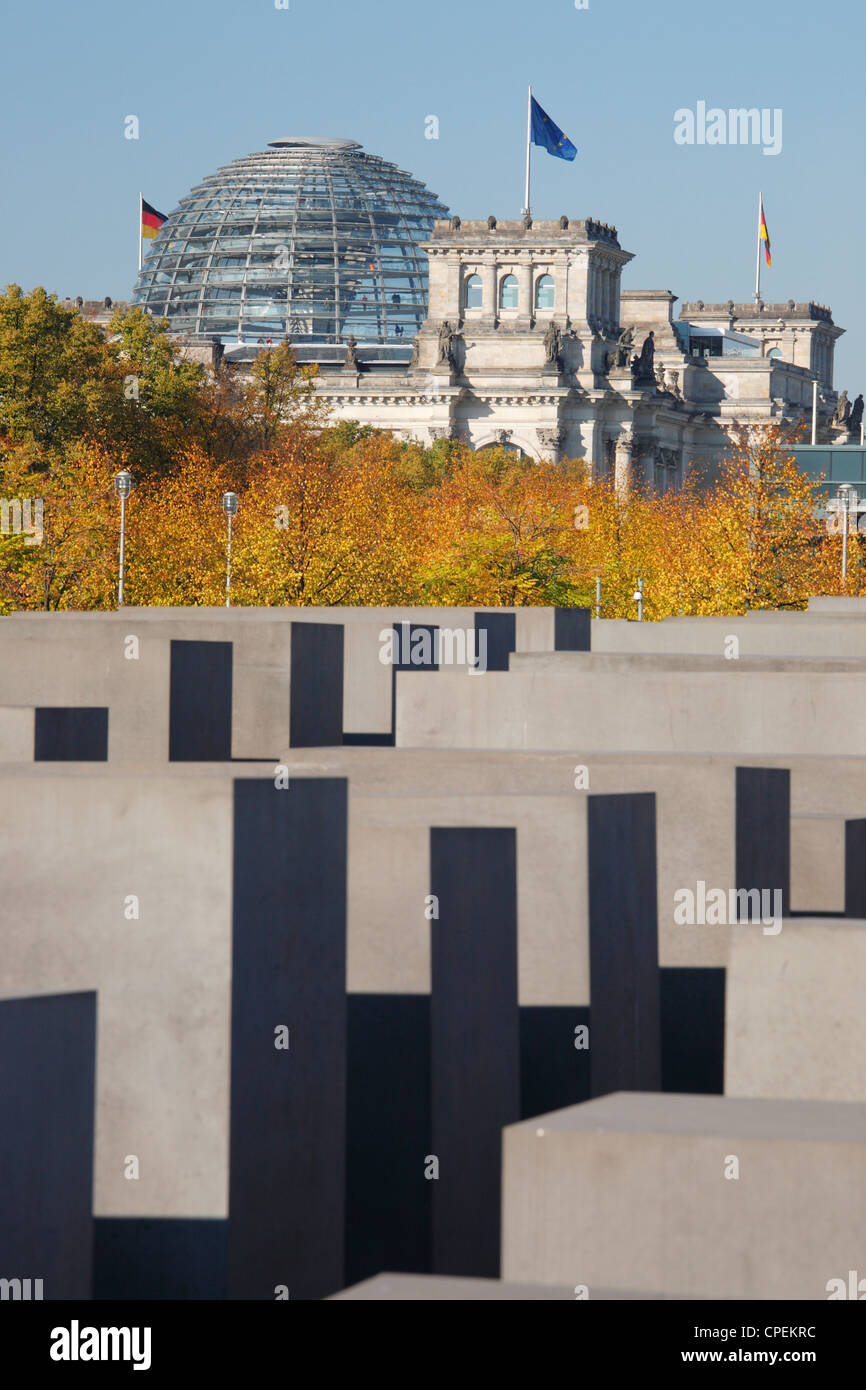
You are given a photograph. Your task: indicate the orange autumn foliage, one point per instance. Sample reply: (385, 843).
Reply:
(348, 516)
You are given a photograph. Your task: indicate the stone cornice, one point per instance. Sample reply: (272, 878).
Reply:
(816, 313)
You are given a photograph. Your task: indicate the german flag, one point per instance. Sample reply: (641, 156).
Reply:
(151, 220)
(765, 236)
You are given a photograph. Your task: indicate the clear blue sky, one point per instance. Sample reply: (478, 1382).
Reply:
(214, 79)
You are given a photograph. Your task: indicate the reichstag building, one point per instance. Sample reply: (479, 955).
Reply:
(513, 333)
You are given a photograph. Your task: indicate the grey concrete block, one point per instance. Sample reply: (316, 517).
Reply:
(438, 1288)
(795, 1025)
(16, 734)
(630, 1190)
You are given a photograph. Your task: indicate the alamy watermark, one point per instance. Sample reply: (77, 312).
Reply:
(22, 516)
(736, 126)
(715, 907)
(77, 1343)
(427, 648)
(23, 1290)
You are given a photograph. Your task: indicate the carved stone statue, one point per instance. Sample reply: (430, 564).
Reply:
(491, 223)
(446, 344)
(552, 345)
(352, 364)
(843, 410)
(642, 367)
(855, 419)
(416, 354)
(647, 353)
(674, 385)
(620, 354)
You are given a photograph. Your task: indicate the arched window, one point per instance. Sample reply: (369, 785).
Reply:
(472, 292)
(508, 293)
(544, 292)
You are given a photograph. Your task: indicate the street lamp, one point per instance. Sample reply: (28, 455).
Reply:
(229, 503)
(846, 497)
(638, 598)
(123, 487)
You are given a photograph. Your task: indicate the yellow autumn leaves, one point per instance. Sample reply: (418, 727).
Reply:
(345, 516)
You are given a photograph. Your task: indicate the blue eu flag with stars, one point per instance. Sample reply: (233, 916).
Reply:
(547, 133)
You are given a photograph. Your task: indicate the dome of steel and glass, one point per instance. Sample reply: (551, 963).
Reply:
(311, 239)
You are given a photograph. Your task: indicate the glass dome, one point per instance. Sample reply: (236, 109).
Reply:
(313, 239)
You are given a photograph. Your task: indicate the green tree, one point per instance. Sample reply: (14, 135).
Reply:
(58, 381)
(165, 386)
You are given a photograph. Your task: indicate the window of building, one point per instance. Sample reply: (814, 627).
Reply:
(544, 292)
(472, 293)
(508, 292)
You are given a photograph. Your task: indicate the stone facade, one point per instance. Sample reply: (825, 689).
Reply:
(531, 342)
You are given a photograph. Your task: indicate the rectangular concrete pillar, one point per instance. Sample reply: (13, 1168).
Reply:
(71, 735)
(572, 629)
(160, 1258)
(288, 1041)
(416, 648)
(500, 630)
(316, 695)
(475, 1040)
(200, 702)
(47, 1090)
(688, 1196)
(388, 1135)
(693, 1029)
(796, 1026)
(554, 1057)
(763, 845)
(855, 868)
(625, 1045)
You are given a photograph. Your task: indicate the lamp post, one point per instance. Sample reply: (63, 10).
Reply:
(638, 598)
(846, 496)
(123, 487)
(229, 503)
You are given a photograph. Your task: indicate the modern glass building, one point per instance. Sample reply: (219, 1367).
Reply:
(837, 463)
(310, 238)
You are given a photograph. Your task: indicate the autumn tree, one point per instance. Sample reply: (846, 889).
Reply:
(751, 537)
(71, 562)
(501, 530)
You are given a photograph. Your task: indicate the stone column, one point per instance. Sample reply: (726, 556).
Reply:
(452, 307)
(622, 466)
(550, 442)
(592, 444)
(489, 291)
(524, 289)
(592, 291)
(616, 279)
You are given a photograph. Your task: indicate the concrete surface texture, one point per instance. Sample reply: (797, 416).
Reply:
(424, 1288)
(607, 795)
(771, 712)
(641, 1189)
(795, 1023)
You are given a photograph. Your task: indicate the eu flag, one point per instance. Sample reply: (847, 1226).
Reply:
(547, 133)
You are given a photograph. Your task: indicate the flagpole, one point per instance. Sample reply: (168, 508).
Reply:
(140, 215)
(758, 263)
(527, 208)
